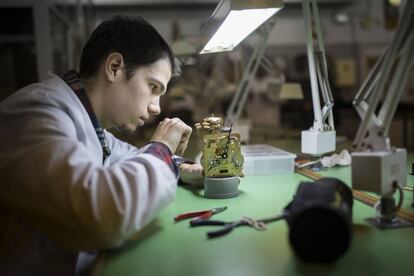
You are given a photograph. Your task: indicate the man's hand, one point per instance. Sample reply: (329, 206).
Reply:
(192, 168)
(192, 174)
(174, 133)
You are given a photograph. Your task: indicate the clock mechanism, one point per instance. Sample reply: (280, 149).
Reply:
(221, 148)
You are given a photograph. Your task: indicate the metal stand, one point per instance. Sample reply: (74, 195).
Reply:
(225, 187)
(386, 215)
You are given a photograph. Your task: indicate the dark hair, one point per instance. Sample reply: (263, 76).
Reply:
(135, 39)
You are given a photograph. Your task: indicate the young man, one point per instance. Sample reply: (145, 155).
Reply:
(66, 184)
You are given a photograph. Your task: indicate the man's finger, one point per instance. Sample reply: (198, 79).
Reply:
(181, 148)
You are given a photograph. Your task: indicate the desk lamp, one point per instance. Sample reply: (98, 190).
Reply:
(320, 138)
(234, 20)
(376, 165)
(230, 23)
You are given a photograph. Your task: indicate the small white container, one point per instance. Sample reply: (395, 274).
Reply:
(263, 159)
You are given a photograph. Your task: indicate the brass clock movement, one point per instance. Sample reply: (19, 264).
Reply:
(221, 148)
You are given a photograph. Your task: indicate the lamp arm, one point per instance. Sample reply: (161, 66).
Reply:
(318, 69)
(362, 98)
(406, 61)
(325, 90)
(239, 98)
(387, 80)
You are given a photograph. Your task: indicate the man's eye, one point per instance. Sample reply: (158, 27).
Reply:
(154, 88)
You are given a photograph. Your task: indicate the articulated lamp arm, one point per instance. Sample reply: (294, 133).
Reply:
(239, 99)
(386, 81)
(323, 117)
(320, 138)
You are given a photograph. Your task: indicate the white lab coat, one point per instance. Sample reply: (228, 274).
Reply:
(56, 197)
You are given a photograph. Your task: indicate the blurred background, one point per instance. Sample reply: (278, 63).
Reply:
(37, 36)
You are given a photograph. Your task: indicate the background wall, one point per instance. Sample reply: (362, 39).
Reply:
(352, 46)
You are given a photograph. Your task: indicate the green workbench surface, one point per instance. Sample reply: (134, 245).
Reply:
(168, 248)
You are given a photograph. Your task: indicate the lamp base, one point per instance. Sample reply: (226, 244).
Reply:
(392, 224)
(225, 187)
(386, 217)
(377, 172)
(318, 143)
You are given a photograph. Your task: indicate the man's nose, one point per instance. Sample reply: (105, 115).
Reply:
(154, 108)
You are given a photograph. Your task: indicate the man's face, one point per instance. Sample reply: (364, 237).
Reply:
(133, 101)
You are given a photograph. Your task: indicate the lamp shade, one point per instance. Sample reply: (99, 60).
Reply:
(234, 20)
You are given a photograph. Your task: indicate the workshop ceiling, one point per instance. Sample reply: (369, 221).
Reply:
(152, 2)
(192, 2)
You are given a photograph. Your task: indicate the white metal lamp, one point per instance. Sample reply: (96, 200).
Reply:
(230, 23)
(376, 165)
(320, 138)
(234, 20)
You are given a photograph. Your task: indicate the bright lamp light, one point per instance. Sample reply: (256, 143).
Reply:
(233, 20)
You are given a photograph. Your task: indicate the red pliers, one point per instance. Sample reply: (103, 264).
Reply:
(200, 215)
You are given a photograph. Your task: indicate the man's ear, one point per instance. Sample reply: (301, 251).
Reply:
(113, 64)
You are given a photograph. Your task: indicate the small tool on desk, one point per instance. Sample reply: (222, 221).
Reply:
(200, 215)
(259, 224)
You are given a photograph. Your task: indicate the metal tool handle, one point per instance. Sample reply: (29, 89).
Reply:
(202, 222)
(200, 214)
(225, 230)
